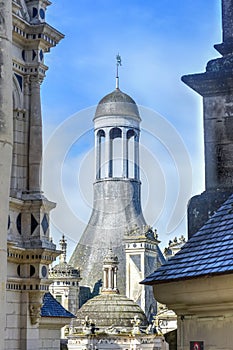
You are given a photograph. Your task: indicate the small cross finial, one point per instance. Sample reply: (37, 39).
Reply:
(118, 63)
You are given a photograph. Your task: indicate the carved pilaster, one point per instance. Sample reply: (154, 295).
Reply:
(35, 137)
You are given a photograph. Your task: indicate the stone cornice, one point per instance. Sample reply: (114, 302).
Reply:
(206, 295)
(21, 255)
(140, 239)
(38, 69)
(53, 322)
(28, 204)
(32, 36)
(15, 203)
(30, 281)
(210, 83)
(116, 339)
(45, 2)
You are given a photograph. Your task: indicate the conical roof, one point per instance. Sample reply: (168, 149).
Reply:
(117, 103)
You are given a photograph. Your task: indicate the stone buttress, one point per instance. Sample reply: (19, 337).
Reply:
(216, 87)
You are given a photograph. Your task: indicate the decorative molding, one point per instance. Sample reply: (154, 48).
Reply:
(35, 304)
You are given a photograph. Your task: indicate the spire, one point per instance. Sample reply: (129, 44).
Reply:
(63, 246)
(110, 273)
(118, 63)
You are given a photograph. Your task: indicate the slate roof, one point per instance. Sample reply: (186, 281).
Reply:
(207, 252)
(52, 308)
(160, 255)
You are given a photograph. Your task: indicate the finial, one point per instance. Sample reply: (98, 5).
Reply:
(118, 63)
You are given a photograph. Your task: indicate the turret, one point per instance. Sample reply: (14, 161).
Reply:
(117, 186)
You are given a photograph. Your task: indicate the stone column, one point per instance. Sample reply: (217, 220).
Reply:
(6, 146)
(125, 153)
(27, 117)
(35, 137)
(110, 163)
(109, 278)
(105, 286)
(136, 157)
(115, 278)
(13, 186)
(97, 155)
(108, 150)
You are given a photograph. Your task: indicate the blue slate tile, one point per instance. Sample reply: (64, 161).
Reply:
(52, 308)
(209, 251)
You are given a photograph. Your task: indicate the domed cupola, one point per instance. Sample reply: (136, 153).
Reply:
(117, 120)
(110, 308)
(117, 103)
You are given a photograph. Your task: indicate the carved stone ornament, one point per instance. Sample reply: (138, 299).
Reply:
(35, 304)
(35, 312)
(88, 326)
(136, 325)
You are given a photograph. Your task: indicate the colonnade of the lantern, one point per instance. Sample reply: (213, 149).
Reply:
(110, 279)
(126, 163)
(110, 273)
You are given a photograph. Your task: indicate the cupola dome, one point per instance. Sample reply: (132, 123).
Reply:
(117, 103)
(110, 308)
(106, 310)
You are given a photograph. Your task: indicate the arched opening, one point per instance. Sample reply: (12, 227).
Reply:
(115, 161)
(131, 153)
(100, 152)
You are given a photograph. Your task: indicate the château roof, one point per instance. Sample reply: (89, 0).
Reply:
(107, 310)
(52, 308)
(207, 252)
(117, 103)
(117, 96)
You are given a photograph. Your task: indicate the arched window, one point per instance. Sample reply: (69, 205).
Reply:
(131, 153)
(100, 154)
(115, 161)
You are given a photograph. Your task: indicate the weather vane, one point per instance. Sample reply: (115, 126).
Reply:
(118, 63)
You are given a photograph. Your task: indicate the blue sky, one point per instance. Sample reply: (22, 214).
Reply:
(159, 41)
